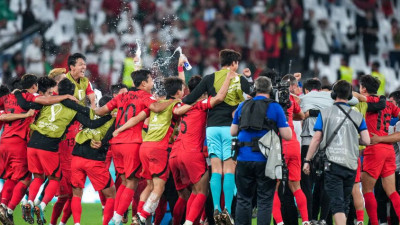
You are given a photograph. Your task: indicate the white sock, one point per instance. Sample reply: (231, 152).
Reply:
(117, 218)
(187, 222)
(281, 223)
(42, 205)
(77, 224)
(61, 223)
(308, 222)
(30, 203)
(10, 211)
(24, 201)
(37, 202)
(141, 218)
(4, 205)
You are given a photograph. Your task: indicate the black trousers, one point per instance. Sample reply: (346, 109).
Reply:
(338, 185)
(251, 180)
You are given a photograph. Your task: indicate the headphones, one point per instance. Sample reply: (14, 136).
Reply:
(334, 94)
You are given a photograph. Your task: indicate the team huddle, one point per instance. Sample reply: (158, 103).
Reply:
(51, 138)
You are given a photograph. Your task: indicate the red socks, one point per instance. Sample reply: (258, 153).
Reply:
(66, 212)
(160, 212)
(76, 209)
(395, 199)
(179, 210)
(196, 207)
(51, 190)
(301, 201)
(7, 191)
(134, 206)
(102, 198)
(276, 208)
(140, 206)
(371, 207)
(360, 215)
(57, 209)
(189, 203)
(18, 194)
(125, 200)
(34, 188)
(108, 210)
(120, 190)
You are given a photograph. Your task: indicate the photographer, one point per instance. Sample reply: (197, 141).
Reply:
(337, 129)
(250, 171)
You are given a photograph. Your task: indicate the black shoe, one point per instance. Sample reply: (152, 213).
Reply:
(227, 218)
(125, 217)
(27, 213)
(136, 220)
(10, 218)
(39, 215)
(217, 217)
(3, 215)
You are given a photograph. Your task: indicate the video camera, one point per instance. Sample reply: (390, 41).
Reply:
(281, 94)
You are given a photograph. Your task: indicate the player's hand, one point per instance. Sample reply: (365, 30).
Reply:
(247, 72)
(297, 76)
(30, 113)
(95, 144)
(114, 114)
(306, 168)
(72, 98)
(181, 60)
(15, 90)
(375, 139)
(115, 133)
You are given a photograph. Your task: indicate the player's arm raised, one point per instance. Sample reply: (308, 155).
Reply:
(131, 122)
(15, 116)
(49, 100)
(182, 109)
(224, 89)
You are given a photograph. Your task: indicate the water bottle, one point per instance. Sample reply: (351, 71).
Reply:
(138, 54)
(186, 64)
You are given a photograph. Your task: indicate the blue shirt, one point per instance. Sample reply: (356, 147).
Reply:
(275, 113)
(319, 125)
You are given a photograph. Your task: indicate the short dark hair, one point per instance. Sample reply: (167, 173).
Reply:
(193, 82)
(312, 84)
(173, 85)
(263, 85)
(328, 87)
(4, 90)
(73, 58)
(343, 89)
(15, 83)
(370, 83)
(396, 97)
(66, 87)
(271, 74)
(117, 87)
(290, 78)
(139, 76)
(28, 80)
(228, 56)
(45, 83)
(103, 101)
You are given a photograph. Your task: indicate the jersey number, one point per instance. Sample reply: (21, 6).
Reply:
(125, 114)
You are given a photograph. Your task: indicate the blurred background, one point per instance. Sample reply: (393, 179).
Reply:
(321, 38)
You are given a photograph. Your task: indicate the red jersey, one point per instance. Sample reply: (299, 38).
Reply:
(293, 109)
(378, 123)
(18, 127)
(130, 104)
(193, 126)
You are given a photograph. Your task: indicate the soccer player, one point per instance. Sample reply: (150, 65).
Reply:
(191, 166)
(43, 156)
(218, 129)
(125, 146)
(88, 161)
(14, 138)
(379, 159)
(292, 154)
(155, 148)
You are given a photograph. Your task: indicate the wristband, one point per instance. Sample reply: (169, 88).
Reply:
(307, 161)
(180, 69)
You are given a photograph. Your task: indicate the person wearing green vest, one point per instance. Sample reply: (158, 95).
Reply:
(88, 161)
(345, 72)
(375, 73)
(218, 128)
(76, 74)
(130, 64)
(47, 132)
